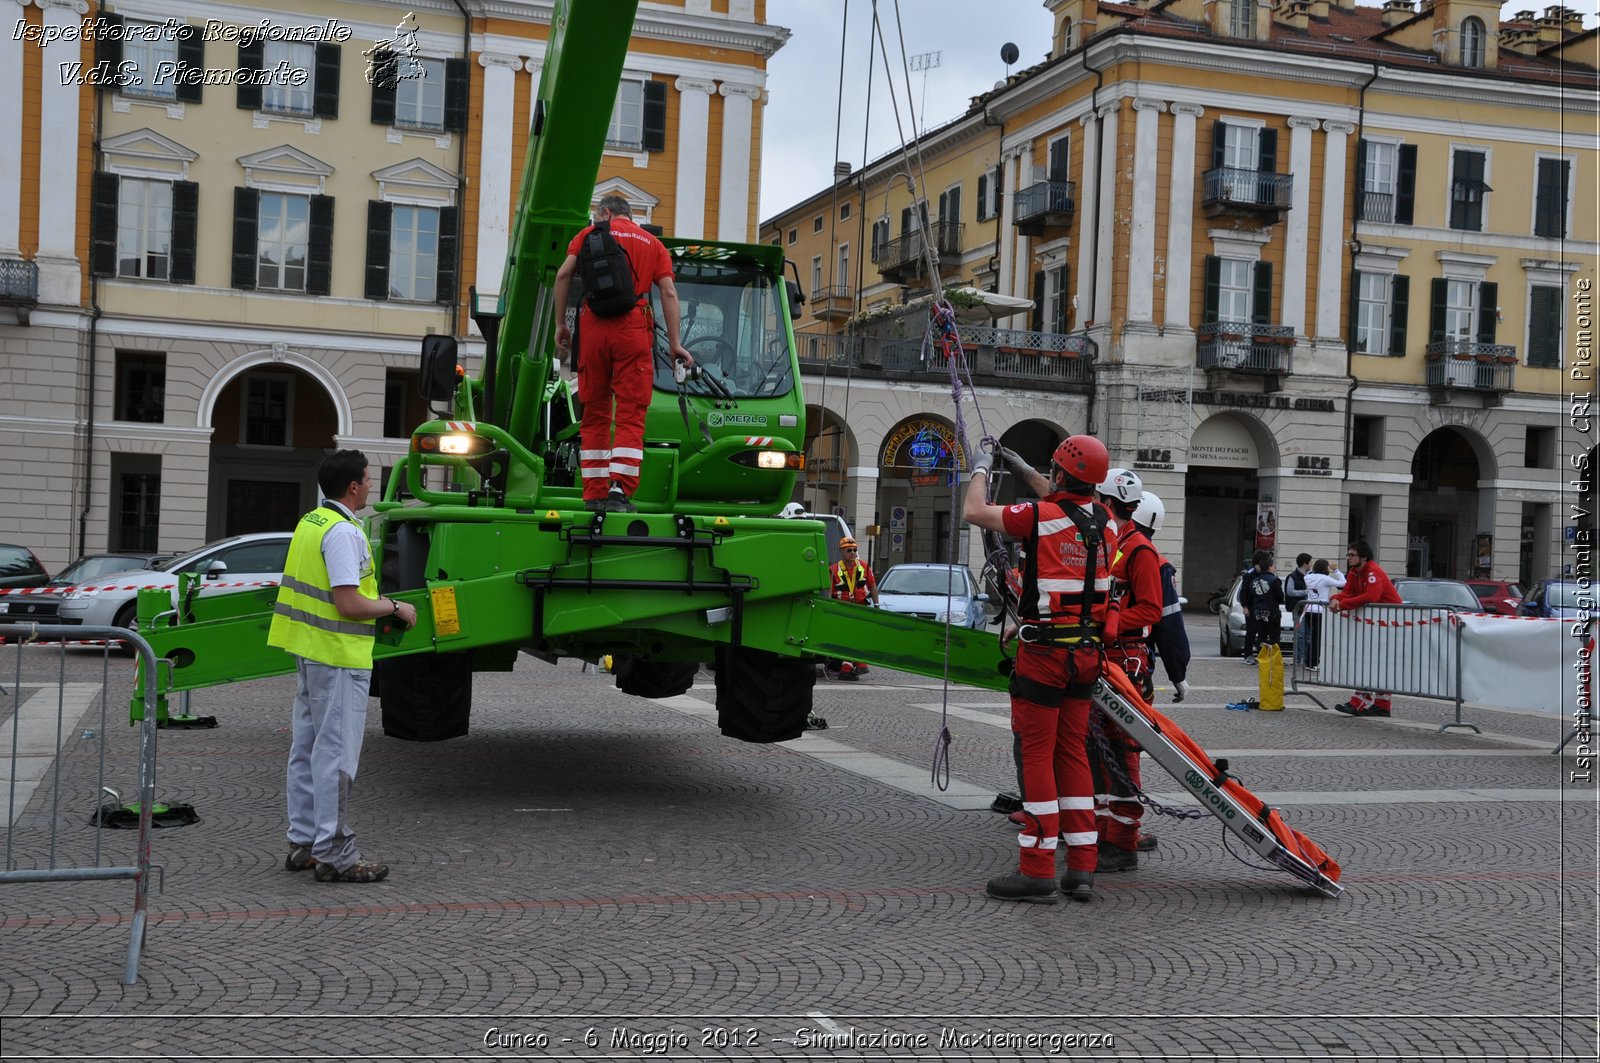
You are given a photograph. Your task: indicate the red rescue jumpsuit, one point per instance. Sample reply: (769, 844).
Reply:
(1137, 568)
(1367, 584)
(1050, 684)
(857, 585)
(614, 361)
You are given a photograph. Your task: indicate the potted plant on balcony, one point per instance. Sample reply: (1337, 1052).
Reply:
(1507, 359)
(1485, 358)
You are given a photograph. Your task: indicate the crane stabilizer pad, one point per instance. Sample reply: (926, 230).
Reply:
(1242, 812)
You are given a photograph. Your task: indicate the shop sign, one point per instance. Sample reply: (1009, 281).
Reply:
(1313, 465)
(923, 444)
(1153, 458)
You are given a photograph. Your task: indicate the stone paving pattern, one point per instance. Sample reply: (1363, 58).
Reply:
(588, 860)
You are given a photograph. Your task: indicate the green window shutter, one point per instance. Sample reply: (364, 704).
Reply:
(319, 252)
(1550, 199)
(1405, 200)
(1261, 312)
(325, 90)
(1213, 289)
(655, 116)
(1488, 310)
(380, 216)
(1219, 144)
(1037, 324)
(1544, 328)
(185, 230)
(191, 62)
(251, 57)
(104, 190)
(456, 89)
(1441, 296)
(246, 229)
(449, 241)
(1353, 307)
(1399, 310)
(108, 49)
(386, 85)
(1267, 151)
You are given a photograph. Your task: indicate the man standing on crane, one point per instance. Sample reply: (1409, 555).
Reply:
(617, 262)
(1063, 612)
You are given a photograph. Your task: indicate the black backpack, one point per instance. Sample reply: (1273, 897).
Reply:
(606, 274)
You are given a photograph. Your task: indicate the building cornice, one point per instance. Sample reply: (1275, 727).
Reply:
(656, 22)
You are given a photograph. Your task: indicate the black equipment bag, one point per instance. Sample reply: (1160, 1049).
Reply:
(606, 274)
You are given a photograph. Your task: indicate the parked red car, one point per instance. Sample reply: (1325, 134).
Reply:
(1497, 595)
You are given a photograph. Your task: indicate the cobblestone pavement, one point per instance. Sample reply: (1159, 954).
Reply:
(589, 875)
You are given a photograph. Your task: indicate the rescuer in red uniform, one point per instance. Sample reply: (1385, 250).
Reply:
(614, 359)
(1136, 568)
(1365, 584)
(1065, 579)
(852, 582)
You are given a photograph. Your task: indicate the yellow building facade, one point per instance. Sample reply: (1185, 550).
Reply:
(220, 243)
(1316, 259)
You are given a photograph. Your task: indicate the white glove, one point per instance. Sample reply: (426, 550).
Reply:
(1183, 690)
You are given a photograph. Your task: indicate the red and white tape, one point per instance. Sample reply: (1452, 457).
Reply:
(121, 587)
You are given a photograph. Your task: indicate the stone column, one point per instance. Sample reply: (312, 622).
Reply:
(11, 54)
(694, 126)
(60, 117)
(1022, 270)
(1142, 246)
(1180, 215)
(738, 120)
(1108, 214)
(1004, 253)
(1330, 274)
(494, 171)
(1086, 201)
(860, 501)
(1299, 227)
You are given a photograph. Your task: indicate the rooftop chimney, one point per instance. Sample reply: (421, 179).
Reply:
(841, 170)
(1397, 11)
(1552, 26)
(1319, 9)
(1293, 13)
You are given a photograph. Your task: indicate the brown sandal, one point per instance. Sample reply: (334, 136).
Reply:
(360, 871)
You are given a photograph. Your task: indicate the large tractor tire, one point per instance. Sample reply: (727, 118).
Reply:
(654, 679)
(761, 696)
(426, 697)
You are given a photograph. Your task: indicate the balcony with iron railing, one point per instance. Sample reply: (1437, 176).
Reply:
(832, 301)
(1487, 369)
(1044, 204)
(1245, 347)
(19, 286)
(996, 357)
(1231, 189)
(905, 258)
(1375, 206)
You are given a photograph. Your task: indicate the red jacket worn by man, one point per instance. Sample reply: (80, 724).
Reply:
(614, 359)
(1366, 584)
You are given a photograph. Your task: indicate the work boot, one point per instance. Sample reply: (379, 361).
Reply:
(1181, 692)
(1147, 843)
(1113, 858)
(1078, 885)
(861, 669)
(595, 505)
(617, 501)
(1015, 886)
(299, 858)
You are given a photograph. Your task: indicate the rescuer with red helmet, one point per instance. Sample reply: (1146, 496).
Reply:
(1066, 577)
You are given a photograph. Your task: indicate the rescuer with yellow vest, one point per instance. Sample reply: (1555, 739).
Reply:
(327, 604)
(852, 582)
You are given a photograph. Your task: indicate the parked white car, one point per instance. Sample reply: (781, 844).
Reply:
(932, 591)
(240, 559)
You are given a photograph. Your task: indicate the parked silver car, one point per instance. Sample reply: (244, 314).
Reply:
(932, 591)
(239, 559)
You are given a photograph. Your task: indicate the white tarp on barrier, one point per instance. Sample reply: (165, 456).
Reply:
(1397, 649)
(1519, 663)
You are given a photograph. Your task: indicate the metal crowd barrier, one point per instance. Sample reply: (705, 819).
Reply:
(1408, 650)
(53, 791)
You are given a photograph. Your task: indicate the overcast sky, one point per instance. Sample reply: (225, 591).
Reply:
(803, 78)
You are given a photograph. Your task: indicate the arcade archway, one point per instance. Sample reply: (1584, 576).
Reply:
(919, 466)
(272, 424)
(1449, 520)
(1231, 484)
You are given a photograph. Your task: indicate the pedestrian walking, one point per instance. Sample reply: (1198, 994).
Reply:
(1063, 612)
(1367, 584)
(327, 603)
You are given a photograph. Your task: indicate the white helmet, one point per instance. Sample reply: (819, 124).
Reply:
(1151, 512)
(1123, 485)
(793, 509)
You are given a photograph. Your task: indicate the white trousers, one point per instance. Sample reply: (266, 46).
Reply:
(330, 721)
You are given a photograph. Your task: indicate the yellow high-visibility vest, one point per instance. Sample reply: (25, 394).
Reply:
(304, 620)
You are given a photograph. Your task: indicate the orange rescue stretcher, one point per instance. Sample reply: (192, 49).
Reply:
(1242, 812)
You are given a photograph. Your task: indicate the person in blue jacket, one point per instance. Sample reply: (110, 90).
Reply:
(1169, 640)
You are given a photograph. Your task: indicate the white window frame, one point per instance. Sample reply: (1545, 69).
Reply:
(1056, 296)
(143, 232)
(283, 244)
(816, 273)
(417, 95)
(1242, 18)
(148, 45)
(1459, 311)
(1374, 300)
(816, 224)
(983, 196)
(1231, 124)
(843, 265)
(249, 381)
(281, 97)
(1450, 186)
(1533, 200)
(1480, 39)
(627, 115)
(409, 267)
(1382, 174)
(1227, 292)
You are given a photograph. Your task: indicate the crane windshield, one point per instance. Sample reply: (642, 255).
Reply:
(732, 322)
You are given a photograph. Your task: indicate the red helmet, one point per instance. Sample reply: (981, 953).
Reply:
(1083, 458)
